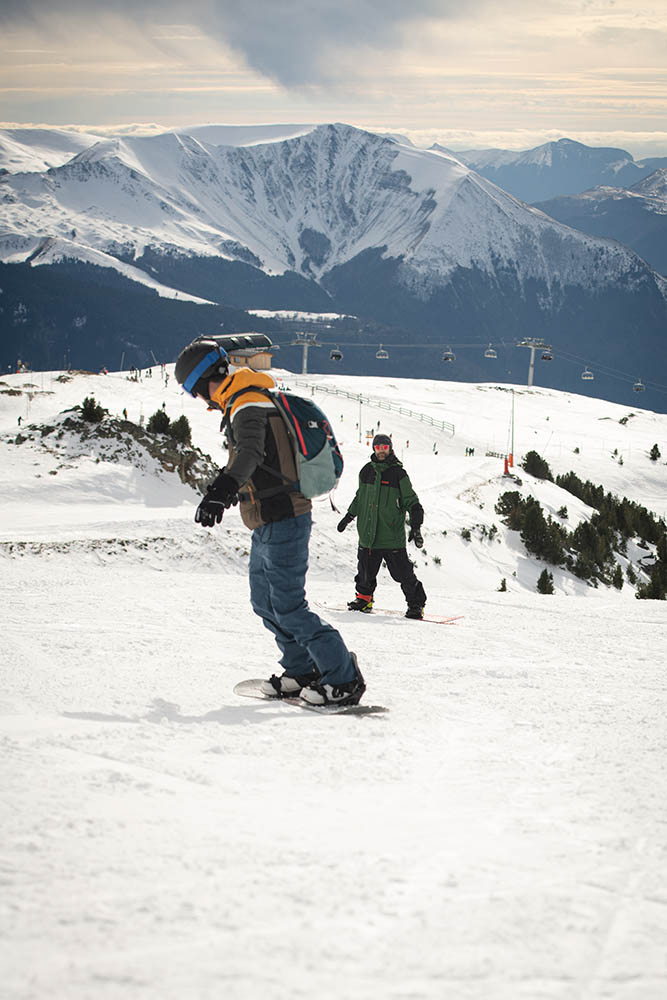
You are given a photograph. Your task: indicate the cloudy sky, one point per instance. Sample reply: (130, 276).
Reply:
(469, 74)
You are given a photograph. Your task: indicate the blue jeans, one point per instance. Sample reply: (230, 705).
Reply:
(278, 564)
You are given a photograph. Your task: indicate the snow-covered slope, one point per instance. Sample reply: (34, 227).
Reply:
(243, 135)
(459, 492)
(497, 835)
(654, 186)
(50, 250)
(25, 149)
(38, 149)
(308, 203)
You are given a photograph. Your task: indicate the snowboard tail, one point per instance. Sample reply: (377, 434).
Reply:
(452, 620)
(434, 620)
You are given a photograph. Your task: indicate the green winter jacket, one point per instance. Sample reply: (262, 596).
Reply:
(384, 495)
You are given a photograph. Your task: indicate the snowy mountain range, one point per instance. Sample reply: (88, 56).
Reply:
(635, 216)
(327, 217)
(307, 204)
(559, 168)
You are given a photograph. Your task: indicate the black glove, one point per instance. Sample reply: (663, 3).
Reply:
(342, 525)
(221, 494)
(416, 537)
(416, 521)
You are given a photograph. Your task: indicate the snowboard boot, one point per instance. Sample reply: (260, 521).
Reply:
(415, 611)
(349, 693)
(361, 603)
(285, 686)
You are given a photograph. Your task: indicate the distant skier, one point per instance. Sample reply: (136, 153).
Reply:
(260, 475)
(384, 496)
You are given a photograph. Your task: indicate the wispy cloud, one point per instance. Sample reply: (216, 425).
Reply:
(294, 42)
(561, 66)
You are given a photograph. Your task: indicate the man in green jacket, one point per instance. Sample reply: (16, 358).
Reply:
(384, 496)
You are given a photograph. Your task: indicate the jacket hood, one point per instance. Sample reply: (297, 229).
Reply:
(243, 378)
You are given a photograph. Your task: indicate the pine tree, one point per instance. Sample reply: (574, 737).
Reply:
(158, 423)
(545, 583)
(534, 530)
(542, 536)
(180, 430)
(654, 453)
(656, 588)
(510, 506)
(537, 466)
(92, 411)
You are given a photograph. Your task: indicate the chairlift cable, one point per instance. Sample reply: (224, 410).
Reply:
(600, 367)
(608, 371)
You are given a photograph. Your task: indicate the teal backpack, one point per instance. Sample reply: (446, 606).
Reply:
(319, 463)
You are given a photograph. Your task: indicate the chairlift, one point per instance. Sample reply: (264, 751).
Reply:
(336, 354)
(587, 375)
(547, 356)
(449, 355)
(638, 386)
(382, 355)
(489, 352)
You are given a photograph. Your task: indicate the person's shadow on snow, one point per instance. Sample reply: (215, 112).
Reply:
(161, 711)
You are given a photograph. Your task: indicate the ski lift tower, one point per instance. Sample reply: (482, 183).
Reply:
(534, 344)
(305, 340)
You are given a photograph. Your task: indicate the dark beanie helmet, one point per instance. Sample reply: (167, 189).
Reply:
(382, 439)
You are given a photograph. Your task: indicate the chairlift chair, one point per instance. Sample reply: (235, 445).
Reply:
(382, 355)
(336, 354)
(638, 386)
(489, 352)
(449, 355)
(587, 375)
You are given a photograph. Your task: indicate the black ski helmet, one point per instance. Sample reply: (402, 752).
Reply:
(200, 361)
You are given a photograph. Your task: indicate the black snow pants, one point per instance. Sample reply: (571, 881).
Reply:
(400, 568)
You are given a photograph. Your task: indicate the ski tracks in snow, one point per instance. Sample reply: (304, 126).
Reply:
(499, 835)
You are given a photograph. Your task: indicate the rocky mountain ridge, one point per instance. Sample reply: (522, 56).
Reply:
(635, 216)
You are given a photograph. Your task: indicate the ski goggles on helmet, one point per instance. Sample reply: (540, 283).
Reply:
(382, 447)
(199, 372)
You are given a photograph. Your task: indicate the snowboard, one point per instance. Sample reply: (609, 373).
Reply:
(251, 689)
(452, 620)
